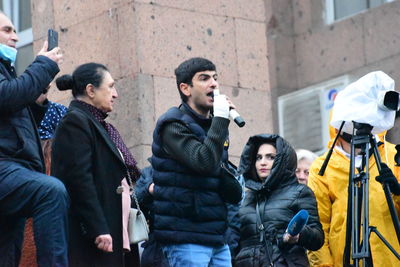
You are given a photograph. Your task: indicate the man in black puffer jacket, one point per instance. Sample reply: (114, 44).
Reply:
(191, 171)
(24, 190)
(274, 196)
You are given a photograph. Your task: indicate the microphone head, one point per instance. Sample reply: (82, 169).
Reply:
(298, 222)
(239, 121)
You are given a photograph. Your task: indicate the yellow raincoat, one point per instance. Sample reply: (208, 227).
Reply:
(331, 192)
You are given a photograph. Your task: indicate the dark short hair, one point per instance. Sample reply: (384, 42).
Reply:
(89, 73)
(187, 69)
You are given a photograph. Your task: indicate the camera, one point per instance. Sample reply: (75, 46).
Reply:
(371, 100)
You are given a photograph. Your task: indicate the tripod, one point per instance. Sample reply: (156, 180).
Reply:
(358, 230)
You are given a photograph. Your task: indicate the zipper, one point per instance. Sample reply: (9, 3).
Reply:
(227, 169)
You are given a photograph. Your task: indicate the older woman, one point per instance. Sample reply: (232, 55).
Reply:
(304, 160)
(91, 159)
(273, 197)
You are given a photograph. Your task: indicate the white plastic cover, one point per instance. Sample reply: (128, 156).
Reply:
(359, 102)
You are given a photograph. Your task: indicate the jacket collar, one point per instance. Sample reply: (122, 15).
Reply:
(201, 120)
(78, 106)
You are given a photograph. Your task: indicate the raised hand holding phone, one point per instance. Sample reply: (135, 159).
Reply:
(52, 39)
(50, 48)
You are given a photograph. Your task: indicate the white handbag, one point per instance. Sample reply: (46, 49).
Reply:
(138, 229)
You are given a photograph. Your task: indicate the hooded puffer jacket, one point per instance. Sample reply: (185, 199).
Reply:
(279, 197)
(331, 191)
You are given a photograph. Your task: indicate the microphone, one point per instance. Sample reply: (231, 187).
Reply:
(233, 114)
(297, 223)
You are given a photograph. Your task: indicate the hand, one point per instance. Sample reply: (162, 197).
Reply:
(54, 54)
(104, 242)
(151, 188)
(40, 100)
(386, 176)
(287, 238)
(231, 105)
(221, 106)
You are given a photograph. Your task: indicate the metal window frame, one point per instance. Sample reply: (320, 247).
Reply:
(330, 10)
(324, 91)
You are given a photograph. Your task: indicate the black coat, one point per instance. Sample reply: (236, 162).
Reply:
(19, 139)
(280, 197)
(87, 161)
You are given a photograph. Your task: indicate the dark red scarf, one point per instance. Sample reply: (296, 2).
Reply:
(130, 161)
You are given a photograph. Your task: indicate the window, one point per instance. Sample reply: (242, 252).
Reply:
(304, 114)
(19, 11)
(338, 9)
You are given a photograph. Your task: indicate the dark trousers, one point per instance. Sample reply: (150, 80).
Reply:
(152, 255)
(36, 195)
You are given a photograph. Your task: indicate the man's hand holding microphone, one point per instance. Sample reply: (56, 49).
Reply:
(224, 108)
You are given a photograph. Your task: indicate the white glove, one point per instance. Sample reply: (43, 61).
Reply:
(221, 106)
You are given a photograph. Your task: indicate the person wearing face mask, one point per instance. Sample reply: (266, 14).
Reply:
(25, 191)
(98, 170)
(273, 196)
(304, 160)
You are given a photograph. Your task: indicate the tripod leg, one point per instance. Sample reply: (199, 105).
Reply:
(389, 200)
(373, 229)
(347, 247)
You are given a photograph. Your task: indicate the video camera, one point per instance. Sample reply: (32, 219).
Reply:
(369, 100)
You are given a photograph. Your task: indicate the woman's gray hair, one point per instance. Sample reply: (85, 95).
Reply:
(305, 154)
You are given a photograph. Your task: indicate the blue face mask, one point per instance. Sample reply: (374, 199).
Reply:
(8, 53)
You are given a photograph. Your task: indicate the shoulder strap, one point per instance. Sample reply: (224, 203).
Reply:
(261, 229)
(260, 225)
(131, 187)
(133, 193)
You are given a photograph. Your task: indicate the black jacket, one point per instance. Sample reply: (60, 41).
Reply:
(152, 254)
(19, 139)
(86, 160)
(280, 197)
(188, 205)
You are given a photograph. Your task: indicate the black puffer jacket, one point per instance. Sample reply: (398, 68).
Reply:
(280, 197)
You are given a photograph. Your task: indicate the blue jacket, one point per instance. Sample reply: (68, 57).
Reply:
(188, 207)
(19, 139)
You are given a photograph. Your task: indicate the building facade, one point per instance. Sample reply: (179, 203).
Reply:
(266, 52)
(281, 61)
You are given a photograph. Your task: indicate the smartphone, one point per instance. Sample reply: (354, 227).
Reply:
(52, 39)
